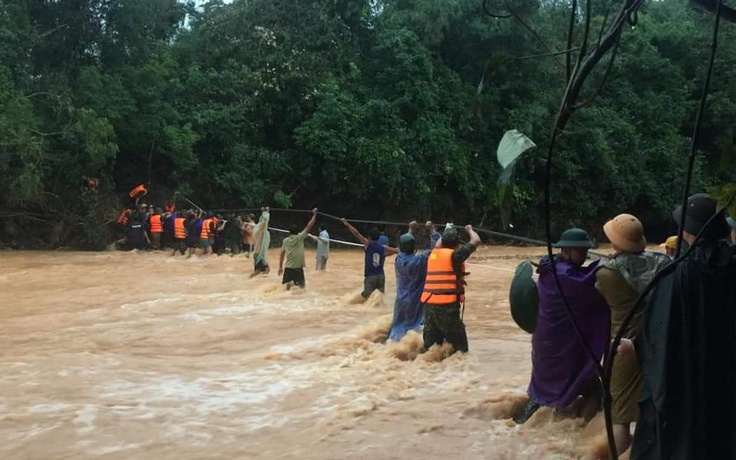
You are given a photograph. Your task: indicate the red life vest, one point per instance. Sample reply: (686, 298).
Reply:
(443, 286)
(156, 226)
(123, 218)
(139, 190)
(205, 233)
(180, 233)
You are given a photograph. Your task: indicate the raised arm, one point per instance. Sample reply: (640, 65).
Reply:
(363, 240)
(474, 238)
(389, 251)
(413, 227)
(312, 221)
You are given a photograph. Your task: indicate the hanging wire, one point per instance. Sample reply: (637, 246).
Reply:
(698, 123)
(604, 370)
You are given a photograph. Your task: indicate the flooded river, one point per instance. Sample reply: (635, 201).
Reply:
(124, 355)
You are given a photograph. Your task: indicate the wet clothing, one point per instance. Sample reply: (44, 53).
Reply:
(194, 227)
(433, 239)
(294, 275)
(443, 323)
(687, 351)
(323, 244)
(233, 235)
(321, 263)
(408, 310)
(373, 283)
(262, 241)
(156, 240)
(620, 280)
(136, 238)
(375, 256)
(561, 367)
(293, 246)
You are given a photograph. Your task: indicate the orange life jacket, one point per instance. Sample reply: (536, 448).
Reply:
(156, 226)
(443, 286)
(205, 234)
(123, 218)
(139, 190)
(180, 232)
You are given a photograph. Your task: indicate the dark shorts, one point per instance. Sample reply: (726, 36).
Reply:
(192, 243)
(443, 324)
(205, 242)
(371, 283)
(295, 275)
(247, 247)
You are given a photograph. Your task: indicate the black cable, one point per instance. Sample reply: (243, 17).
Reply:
(696, 129)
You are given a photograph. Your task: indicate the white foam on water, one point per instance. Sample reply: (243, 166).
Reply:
(85, 419)
(234, 311)
(48, 408)
(150, 303)
(121, 447)
(307, 344)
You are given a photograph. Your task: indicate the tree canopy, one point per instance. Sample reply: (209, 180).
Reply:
(361, 107)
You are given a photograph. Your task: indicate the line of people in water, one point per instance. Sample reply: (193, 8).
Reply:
(674, 373)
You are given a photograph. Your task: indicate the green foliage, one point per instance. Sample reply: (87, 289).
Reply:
(360, 107)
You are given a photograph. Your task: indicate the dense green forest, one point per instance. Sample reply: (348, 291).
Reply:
(365, 108)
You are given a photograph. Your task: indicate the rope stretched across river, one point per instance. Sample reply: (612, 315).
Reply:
(497, 234)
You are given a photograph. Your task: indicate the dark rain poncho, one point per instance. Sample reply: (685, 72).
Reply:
(561, 368)
(411, 270)
(687, 352)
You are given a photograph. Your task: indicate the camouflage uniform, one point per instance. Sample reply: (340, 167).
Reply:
(442, 323)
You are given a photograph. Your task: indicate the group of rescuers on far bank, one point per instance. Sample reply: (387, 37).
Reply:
(674, 374)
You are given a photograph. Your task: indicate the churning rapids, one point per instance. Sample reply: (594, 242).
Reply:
(121, 355)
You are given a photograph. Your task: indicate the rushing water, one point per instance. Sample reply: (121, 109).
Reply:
(147, 356)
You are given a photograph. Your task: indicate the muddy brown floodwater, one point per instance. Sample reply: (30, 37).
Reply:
(125, 355)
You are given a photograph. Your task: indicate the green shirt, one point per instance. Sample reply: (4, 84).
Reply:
(293, 246)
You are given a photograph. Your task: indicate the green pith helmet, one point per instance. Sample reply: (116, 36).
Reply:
(450, 237)
(524, 298)
(574, 238)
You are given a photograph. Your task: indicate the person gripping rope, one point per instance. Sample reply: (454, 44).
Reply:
(375, 257)
(180, 234)
(562, 370)
(444, 290)
(292, 251)
(411, 270)
(323, 248)
(620, 280)
(156, 228)
(262, 241)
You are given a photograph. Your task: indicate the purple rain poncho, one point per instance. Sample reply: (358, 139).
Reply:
(561, 368)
